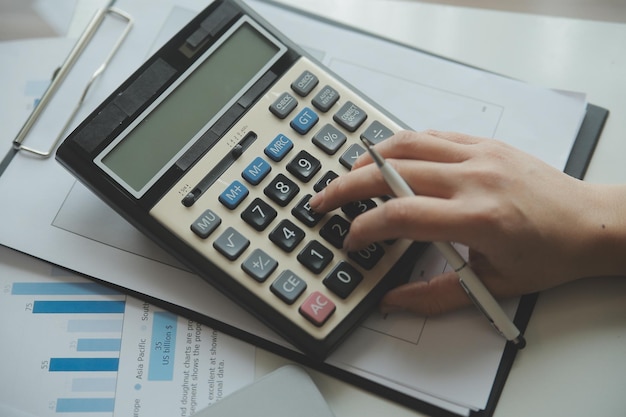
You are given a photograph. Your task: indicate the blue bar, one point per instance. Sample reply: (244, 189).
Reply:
(162, 347)
(60, 288)
(85, 405)
(94, 326)
(84, 364)
(94, 384)
(99, 345)
(83, 307)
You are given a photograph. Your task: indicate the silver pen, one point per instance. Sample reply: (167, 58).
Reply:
(472, 285)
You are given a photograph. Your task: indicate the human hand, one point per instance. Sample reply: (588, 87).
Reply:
(529, 226)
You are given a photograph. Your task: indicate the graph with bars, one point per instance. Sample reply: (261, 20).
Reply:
(73, 347)
(77, 329)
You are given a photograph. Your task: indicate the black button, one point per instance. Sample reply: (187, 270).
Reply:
(356, 208)
(302, 211)
(369, 256)
(315, 256)
(258, 214)
(304, 166)
(287, 235)
(324, 181)
(281, 190)
(335, 231)
(343, 279)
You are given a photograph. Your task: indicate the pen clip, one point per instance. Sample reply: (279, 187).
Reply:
(62, 72)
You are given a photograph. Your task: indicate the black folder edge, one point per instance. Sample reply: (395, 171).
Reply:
(576, 166)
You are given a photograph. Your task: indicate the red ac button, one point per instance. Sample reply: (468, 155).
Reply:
(317, 308)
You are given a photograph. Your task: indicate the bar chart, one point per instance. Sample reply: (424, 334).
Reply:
(75, 347)
(74, 330)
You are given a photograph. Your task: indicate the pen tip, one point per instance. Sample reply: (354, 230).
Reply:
(367, 142)
(375, 155)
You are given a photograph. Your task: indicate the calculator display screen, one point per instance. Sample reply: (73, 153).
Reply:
(171, 125)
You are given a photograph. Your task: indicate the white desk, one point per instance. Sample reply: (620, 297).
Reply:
(575, 361)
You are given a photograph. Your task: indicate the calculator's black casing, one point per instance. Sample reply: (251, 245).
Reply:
(78, 150)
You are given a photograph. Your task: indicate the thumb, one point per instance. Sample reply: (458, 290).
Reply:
(441, 294)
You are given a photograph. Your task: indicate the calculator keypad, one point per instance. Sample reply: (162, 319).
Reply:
(257, 217)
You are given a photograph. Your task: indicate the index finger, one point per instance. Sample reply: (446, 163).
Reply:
(427, 146)
(358, 184)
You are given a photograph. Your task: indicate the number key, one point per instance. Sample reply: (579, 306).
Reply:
(302, 211)
(315, 256)
(287, 235)
(259, 214)
(304, 166)
(335, 231)
(324, 181)
(343, 279)
(281, 190)
(368, 257)
(356, 208)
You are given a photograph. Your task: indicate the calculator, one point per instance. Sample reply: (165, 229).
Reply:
(213, 148)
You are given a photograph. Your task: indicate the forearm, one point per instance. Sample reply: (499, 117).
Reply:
(603, 249)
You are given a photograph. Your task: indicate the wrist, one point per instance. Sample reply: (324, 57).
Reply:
(603, 250)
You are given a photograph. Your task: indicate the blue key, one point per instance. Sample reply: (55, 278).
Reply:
(256, 171)
(278, 148)
(304, 121)
(233, 195)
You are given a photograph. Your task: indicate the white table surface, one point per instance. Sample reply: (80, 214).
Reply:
(575, 361)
